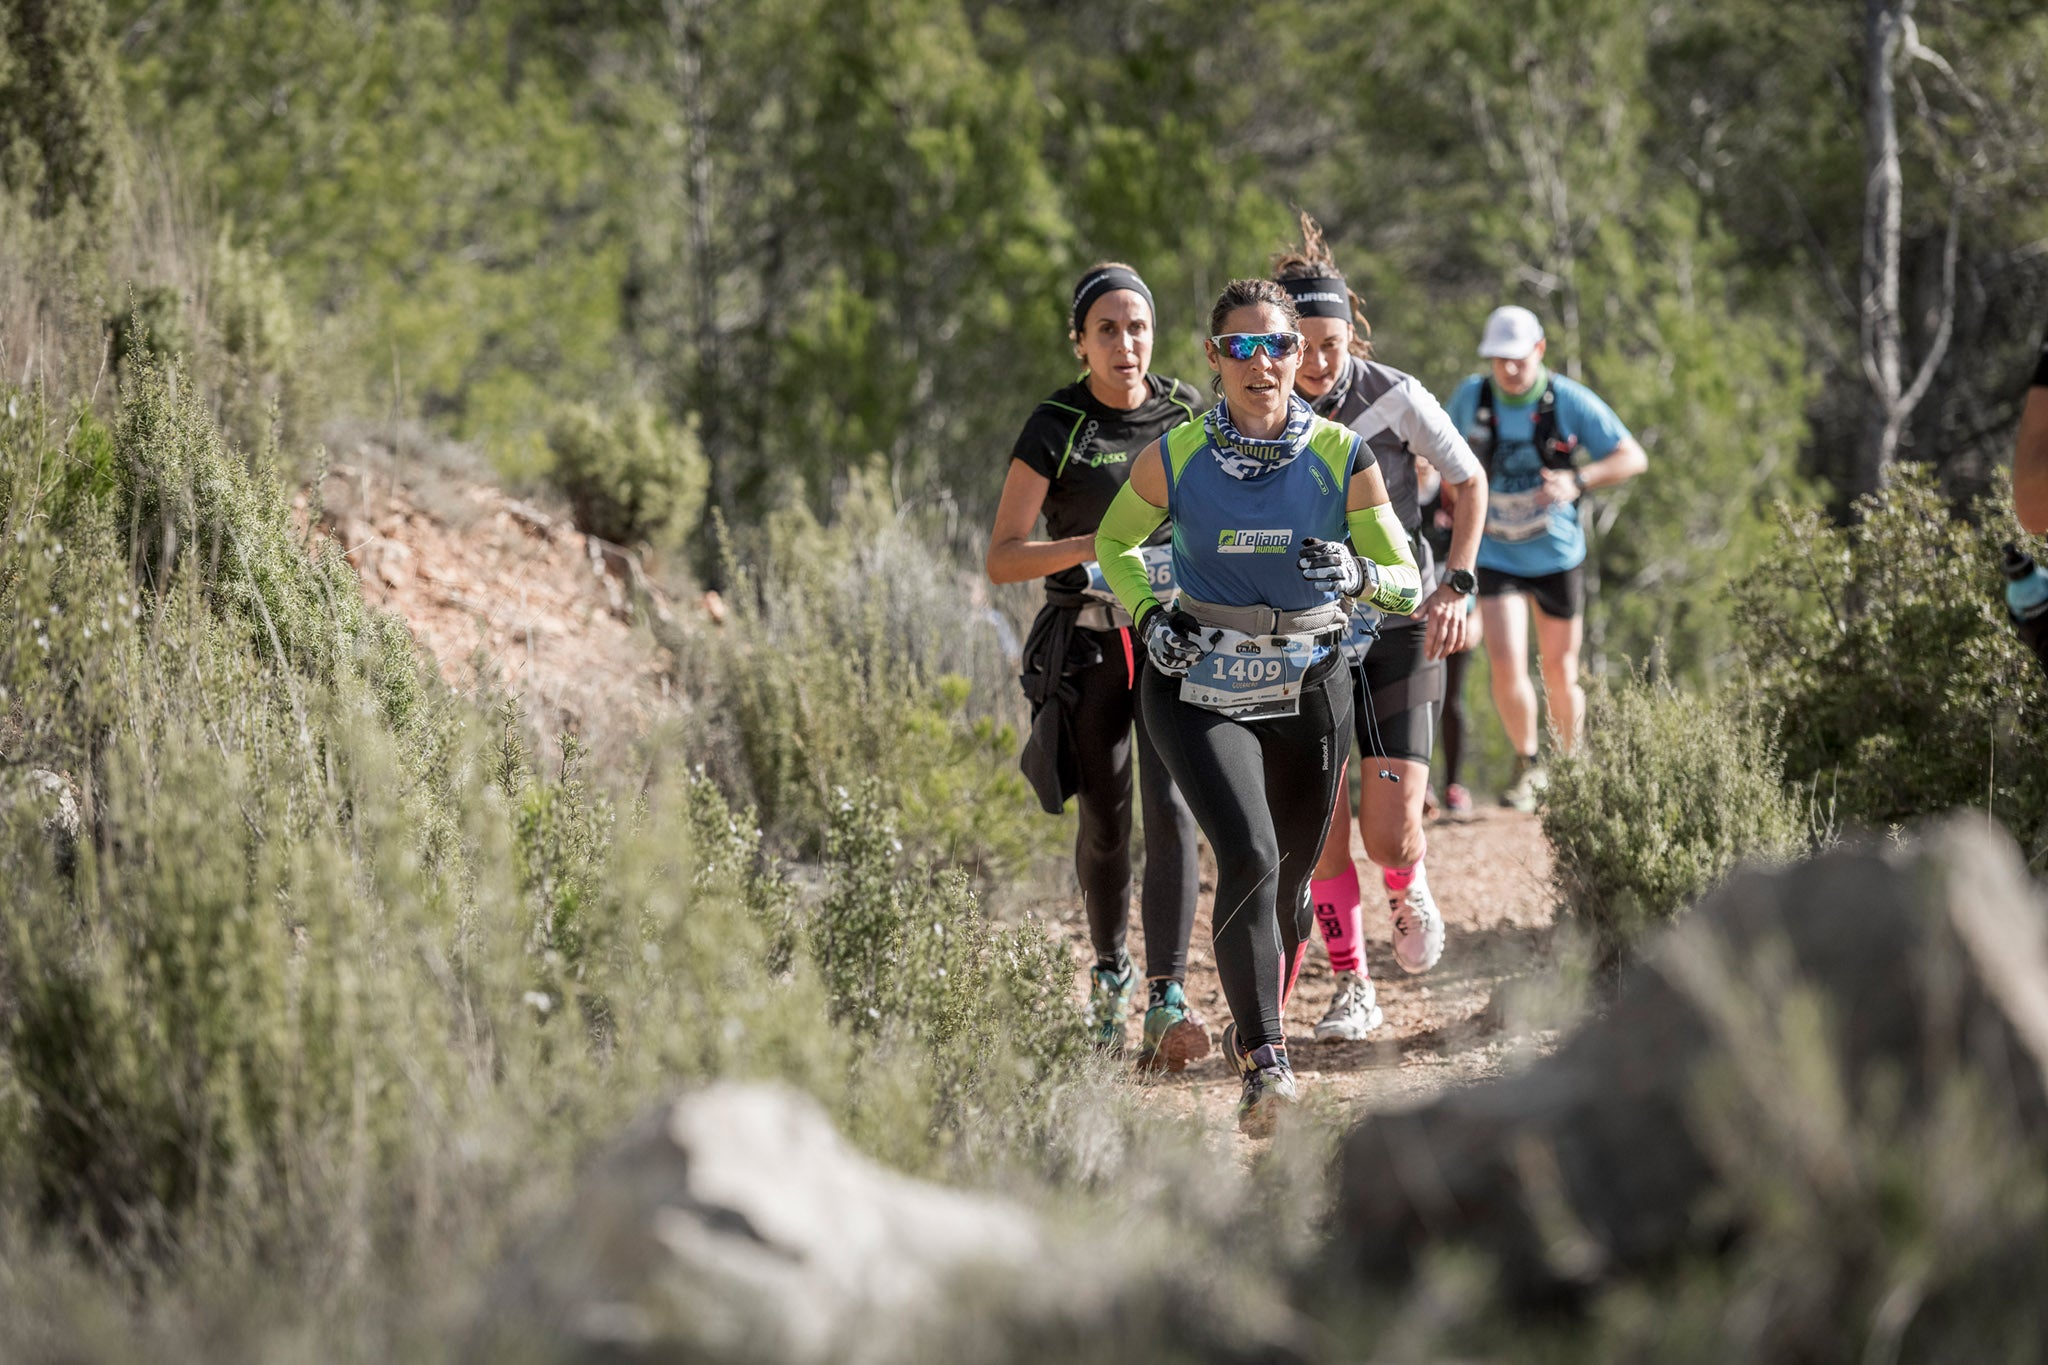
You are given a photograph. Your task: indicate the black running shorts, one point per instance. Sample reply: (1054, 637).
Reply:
(1397, 696)
(1558, 595)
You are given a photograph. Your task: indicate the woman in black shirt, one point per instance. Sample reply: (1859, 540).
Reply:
(1081, 662)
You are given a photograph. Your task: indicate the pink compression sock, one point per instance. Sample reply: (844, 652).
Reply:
(1337, 915)
(1399, 879)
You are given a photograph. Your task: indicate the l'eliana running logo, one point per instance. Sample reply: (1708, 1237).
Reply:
(1253, 542)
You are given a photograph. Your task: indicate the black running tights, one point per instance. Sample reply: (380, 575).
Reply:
(1102, 723)
(1454, 713)
(1262, 791)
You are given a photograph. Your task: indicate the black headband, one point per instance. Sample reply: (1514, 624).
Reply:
(1107, 280)
(1325, 297)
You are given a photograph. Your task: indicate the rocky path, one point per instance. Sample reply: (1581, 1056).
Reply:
(1491, 875)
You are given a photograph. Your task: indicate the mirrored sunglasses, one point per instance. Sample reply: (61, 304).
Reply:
(1245, 345)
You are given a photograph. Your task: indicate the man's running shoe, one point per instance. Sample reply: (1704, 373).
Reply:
(1109, 1003)
(1528, 787)
(1418, 926)
(1457, 801)
(1269, 1088)
(1174, 1033)
(1353, 1013)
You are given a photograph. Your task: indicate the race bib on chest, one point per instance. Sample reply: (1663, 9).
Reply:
(1250, 677)
(1516, 516)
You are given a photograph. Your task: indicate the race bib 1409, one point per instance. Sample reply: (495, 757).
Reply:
(1250, 677)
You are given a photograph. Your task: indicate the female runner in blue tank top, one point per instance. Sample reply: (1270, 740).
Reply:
(1244, 692)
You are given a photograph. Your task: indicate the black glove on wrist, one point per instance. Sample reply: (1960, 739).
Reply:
(1172, 642)
(1330, 565)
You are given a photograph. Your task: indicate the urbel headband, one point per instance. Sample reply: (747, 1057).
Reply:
(1325, 296)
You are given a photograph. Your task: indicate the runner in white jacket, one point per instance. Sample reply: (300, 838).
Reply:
(1399, 677)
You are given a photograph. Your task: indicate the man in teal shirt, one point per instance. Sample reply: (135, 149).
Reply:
(1544, 440)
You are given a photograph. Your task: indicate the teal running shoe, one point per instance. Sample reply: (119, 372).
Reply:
(1174, 1034)
(1109, 1003)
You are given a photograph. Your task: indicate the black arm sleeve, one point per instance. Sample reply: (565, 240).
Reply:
(2041, 369)
(1362, 457)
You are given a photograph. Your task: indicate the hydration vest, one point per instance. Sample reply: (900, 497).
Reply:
(1555, 451)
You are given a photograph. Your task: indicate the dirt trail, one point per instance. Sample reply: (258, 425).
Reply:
(1491, 876)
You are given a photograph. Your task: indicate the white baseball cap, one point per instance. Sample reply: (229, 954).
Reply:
(1511, 333)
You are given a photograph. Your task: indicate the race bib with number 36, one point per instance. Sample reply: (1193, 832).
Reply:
(1158, 573)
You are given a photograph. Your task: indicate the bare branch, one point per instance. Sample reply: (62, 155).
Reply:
(1938, 347)
(1917, 51)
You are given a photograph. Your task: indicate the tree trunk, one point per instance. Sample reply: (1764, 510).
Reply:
(1888, 36)
(686, 47)
(1878, 320)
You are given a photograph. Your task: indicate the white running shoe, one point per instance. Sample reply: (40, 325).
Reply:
(1354, 1012)
(1525, 793)
(1418, 926)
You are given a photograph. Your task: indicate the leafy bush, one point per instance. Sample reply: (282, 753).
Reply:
(1663, 797)
(336, 964)
(856, 651)
(1885, 665)
(912, 961)
(630, 476)
(153, 327)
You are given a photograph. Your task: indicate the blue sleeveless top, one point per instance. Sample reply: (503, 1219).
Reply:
(1235, 541)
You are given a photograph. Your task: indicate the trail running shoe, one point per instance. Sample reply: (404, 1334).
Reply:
(1418, 926)
(1269, 1088)
(1174, 1033)
(1527, 788)
(1457, 801)
(1353, 1013)
(1109, 1003)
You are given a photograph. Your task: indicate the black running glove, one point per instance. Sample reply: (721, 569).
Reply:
(1330, 565)
(1173, 642)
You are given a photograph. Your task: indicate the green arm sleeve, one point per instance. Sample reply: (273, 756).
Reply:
(1376, 533)
(1127, 524)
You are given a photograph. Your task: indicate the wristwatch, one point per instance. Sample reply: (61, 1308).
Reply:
(1579, 478)
(1462, 581)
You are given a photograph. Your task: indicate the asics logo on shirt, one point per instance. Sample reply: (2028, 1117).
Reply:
(1253, 542)
(1077, 448)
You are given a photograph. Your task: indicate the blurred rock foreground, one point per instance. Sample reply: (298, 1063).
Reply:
(1805, 1019)
(736, 1224)
(1814, 1026)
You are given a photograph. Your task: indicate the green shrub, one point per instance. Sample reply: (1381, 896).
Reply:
(1885, 665)
(1664, 796)
(629, 475)
(855, 651)
(338, 971)
(297, 918)
(153, 327)
(910, 960)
